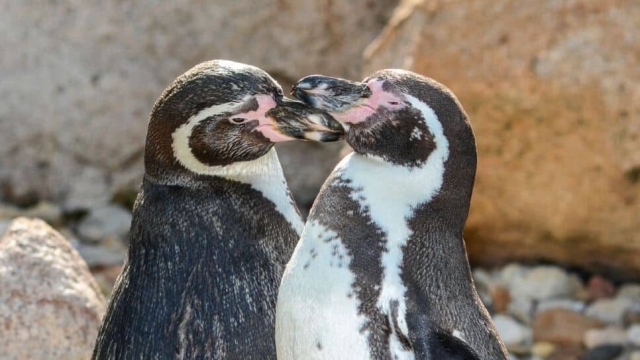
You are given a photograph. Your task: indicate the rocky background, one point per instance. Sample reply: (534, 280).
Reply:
(552, 89)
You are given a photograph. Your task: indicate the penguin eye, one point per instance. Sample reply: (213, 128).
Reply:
(238, 120)
(393, 103)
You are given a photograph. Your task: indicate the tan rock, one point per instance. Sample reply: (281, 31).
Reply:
(50, 306)
(77, 89)
(563, 327)
(553, 92)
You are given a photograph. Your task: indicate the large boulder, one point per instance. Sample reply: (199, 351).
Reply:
(50, 306)
(81, 77)
(553, 92)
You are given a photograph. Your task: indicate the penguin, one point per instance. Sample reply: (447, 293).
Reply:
(381, 270)
(214, 222)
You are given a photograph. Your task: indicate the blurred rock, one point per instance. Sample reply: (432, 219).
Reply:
(501, 298)
(542, 349)
(512, 274)
(633, 334)
(78, 87)
(555, 108)
(567, 353)
(568, 304)
(610, 310)
(563, 327)
(600, 288)
(630, 291)
(634, 355)
(50, 305)
(4, 225)
(102, 223)
(603, 352)
(513, 333)
(484, 283)
(103, 255)
(8, 211)
(522, 309)
(545, 282)
(609, 335)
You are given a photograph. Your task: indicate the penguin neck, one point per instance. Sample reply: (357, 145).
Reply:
(263, 174)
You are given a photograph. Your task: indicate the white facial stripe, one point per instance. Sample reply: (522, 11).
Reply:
(459, 335)
(263, 174)
(317, 309)
(390, 208)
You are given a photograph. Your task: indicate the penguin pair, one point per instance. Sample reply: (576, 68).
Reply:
(381, 270)
(214, 223)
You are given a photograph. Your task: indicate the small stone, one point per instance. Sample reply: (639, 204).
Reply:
(611, 311)
(521, 309)
(600, 288)
(572, 352)
(634, 355)
(112, 253)
(610, 335)
(604, 352)
(49, 212)
(632, 315)
(562, 326)
(8, 211)
(543, 349)
(568, 304)
(546, 282)
(512, 274)
(630, 291)
(501, 298)
(4, 225)
(633, 335)
(513, 333)
(105, 222)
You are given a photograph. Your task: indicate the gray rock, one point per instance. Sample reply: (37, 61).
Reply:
(74, 117)
(8, 211)
(569, 304)
(545, 282)
(105, 222)
(610, 310)
(609, 335)
(633, 334)
(49, 212)
(50, 305)
(102, 255)
(512, 332)
(4, 225)
(512, 274)
(630, 291)
(522, 309)
(634, 355)
(604, 352)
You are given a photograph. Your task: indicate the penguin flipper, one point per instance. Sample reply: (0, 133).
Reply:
(433, 343)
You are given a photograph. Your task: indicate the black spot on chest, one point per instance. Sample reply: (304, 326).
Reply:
(365, 243)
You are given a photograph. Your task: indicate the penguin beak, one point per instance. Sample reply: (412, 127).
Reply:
(296, 120)
(334, 95)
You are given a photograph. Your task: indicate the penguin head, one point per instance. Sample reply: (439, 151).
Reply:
(397, 115)
(221, 113)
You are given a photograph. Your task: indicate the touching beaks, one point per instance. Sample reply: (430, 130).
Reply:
(292, 119)
(331, 94)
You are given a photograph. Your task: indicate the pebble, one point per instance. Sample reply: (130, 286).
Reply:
(604, 352)
(600, 288)
(634, 355)
(630, 291)
(633, 335)
(512, 332)
(562, 326)
(611, 311)
(609, 335)
(542, 349)
(568, 304)
(512, 274)
(105, 222)
(111, 252)
(501, 298)
(44, 210)
(521, 309)
(4, 225)
(546, 282)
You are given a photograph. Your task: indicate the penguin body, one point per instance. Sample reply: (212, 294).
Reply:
(214, 222)
(381, 265)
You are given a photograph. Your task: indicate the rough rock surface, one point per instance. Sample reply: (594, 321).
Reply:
(555, 106)
(50, 306)
(81, 78)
